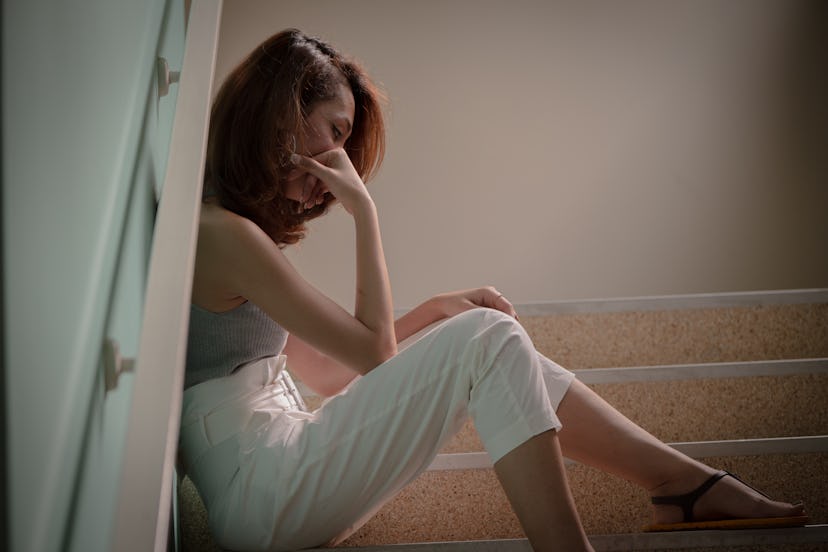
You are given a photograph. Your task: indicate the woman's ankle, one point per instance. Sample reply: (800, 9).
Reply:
(683, 479)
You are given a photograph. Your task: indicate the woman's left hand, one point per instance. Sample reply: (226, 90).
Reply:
(455, 302)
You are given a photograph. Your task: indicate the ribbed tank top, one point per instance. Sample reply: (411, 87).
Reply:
(218, 343)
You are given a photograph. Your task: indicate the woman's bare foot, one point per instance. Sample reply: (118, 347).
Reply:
(728, 498)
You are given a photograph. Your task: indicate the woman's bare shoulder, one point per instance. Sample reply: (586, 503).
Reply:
(223, 230)
(215, 218)
(227, 243)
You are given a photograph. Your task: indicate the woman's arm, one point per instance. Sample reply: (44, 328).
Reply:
(326, 377)
(241, 261)
(446, 305)
(373, 303)
(320, 373)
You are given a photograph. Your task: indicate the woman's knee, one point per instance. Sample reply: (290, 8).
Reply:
(474, 320)
(485, 327)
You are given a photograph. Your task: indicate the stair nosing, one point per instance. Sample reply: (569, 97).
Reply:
(704, 370)
(675, 302)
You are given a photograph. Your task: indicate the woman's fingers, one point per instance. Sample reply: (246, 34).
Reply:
(488, 296)
(334, 170)
(310, 165)
(317, 194)
(308, 184)
(491, 297)
(503, 304)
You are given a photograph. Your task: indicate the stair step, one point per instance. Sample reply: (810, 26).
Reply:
(650, 338)
(808, 539)
(691, 410)
(466, 510)
(470, 505)
(793, 540)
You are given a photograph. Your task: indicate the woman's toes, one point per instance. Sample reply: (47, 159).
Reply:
(733, 498)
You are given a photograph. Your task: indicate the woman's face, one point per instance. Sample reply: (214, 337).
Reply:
(328, 126)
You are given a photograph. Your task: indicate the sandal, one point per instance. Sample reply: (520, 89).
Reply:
(688, 501)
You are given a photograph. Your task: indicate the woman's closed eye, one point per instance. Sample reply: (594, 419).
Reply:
(337, 134)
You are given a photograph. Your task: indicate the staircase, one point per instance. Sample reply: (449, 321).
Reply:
(738, 380)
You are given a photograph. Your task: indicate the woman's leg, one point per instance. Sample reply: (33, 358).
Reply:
(596, 434)
(534, 479)
(317, 478)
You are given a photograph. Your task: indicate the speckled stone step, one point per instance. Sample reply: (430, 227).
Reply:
(469, 504)
(457, 505)
(700, 335)
(711, 409)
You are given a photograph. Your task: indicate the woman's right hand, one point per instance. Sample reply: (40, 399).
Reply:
(333, 168)
(455, 302)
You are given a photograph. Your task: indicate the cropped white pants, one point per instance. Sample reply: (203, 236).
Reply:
(275, 477)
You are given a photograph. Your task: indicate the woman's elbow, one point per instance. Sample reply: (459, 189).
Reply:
(389, 350)
(382, 351)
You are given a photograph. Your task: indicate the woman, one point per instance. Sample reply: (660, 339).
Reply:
(295, 128)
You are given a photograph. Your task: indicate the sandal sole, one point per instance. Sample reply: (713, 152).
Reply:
(755, 523)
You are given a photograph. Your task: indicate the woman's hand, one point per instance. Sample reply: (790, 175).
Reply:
(455, 302)
(447, 305)
(333, 168)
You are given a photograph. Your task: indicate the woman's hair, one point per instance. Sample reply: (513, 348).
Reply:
(257, 121)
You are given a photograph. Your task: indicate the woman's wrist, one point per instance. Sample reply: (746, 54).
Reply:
(364, 207)
(435, 308)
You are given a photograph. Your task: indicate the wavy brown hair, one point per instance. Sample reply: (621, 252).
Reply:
(257, 121)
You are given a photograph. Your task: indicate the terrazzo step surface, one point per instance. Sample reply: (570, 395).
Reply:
(709, 410)
(468, 505)
(703, 335)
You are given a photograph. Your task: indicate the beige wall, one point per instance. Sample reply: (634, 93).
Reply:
(581, 149)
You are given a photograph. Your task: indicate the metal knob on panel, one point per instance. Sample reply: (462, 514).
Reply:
(165, 77)
(114, 364)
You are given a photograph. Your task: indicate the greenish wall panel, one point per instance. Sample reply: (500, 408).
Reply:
(84, 143)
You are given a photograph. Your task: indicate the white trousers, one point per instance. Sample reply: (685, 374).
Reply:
(275, 477)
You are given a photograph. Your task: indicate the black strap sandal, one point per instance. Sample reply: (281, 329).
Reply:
(688, 501)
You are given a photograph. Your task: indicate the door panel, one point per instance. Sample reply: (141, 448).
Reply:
(79, 168)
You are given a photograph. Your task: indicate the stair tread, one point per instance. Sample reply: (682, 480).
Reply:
(614, 510)
(648, 338)
(470, 505)
(475, 509)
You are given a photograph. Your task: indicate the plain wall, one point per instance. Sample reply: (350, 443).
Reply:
(580, 149)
